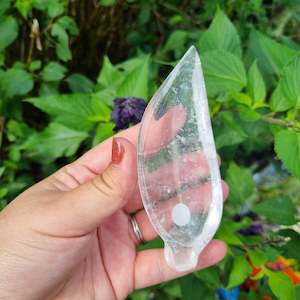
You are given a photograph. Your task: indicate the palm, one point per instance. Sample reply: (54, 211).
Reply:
(107, 270)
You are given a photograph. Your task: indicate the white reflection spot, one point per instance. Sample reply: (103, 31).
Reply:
(181, 214)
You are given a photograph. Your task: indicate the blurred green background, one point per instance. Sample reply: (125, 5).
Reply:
(62, 64)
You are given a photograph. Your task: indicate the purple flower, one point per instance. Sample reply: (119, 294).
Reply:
(254, 229)
(127, 111)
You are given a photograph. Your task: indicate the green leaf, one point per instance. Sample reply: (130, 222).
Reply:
(227, 130)
(256, 86)
(136, 82)
(210, 276)
(79, 83)
(8, 31)
(194, 289)
(35, 65)
(257, 257)
(291, 248)
(176, 40)
(4, 5)
(240, 271)
(24, 7)
(15, 82)
(56, 8)
(240, 182)
(221, 35)
(55, 141)
(77, 111)
(287, 148)
(109, 75)
(68, 24)
(53, 71)
(290, 81)
(107, 2)
(278, 100)
(279, 210)
(227, 233)
(281, 286)
(271, 55)
(48, 89)
(62, 46)
(103, 132)
(223, 72)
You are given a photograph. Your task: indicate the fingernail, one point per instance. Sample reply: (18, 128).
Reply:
(117, 151)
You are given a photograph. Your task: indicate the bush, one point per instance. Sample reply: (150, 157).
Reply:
(55, 104)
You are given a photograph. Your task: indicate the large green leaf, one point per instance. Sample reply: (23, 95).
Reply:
(290, 81)
(221, 35)
(279, 210)
(240, 182)
(62, 46)
(8, 31)
(240, 271)
(79, 83)
(136, 82)
(103, 132)
(77, 111)
(15, 82)
(53, 71)
(176, 40)
(55, 141)
(194, 289)
(279, 102)
(228, 131)
(24, 7)
(256, 86)
(109, 75)
(210, 275)
(4, 5)
(223, 72)
(282, 286)
(271, 55)
(287, 148)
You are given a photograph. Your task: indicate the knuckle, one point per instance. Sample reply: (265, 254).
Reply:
(107, 186)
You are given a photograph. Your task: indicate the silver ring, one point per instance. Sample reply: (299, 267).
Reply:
(136, 230)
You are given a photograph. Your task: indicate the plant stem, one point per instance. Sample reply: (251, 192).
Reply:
(280, 122)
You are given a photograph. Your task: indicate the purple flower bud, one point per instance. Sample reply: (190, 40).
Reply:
(254, 229)
(127, 111)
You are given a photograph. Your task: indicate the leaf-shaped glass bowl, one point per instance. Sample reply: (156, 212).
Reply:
(178, 169)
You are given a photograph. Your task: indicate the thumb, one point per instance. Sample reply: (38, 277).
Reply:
(86, 207)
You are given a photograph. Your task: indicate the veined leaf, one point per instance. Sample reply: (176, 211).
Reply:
(221, 35)
(281, 285)
(77, 111)
(290, 81)
(136, 82)
(8, 31)
(55, 141)
(240, 271)
(256, 85)
(223, 72)
(279, 210)
(271, 55)
(15, 82)
(278, 100)
(240, 182)
(287, 147)
(53, 71)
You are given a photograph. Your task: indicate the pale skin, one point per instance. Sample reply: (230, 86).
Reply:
(69, 236)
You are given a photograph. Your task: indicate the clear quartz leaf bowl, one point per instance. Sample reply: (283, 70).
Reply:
(178, 170)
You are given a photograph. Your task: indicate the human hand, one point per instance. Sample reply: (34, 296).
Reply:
(69, 236)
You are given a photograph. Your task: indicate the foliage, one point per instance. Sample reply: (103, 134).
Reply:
(55, 104)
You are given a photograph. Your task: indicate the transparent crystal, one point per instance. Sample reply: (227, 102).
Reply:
(178, 169)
